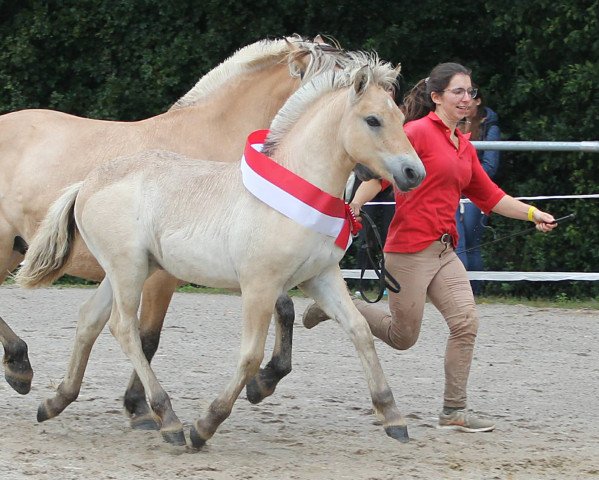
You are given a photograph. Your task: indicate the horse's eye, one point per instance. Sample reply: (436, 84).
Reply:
(373, 121)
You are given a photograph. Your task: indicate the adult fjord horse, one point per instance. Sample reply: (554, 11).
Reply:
(325, 129)
(43, 151)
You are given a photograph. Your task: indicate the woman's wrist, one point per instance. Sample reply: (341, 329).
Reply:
(531, 213)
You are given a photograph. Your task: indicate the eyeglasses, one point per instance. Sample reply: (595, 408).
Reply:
(461, 92)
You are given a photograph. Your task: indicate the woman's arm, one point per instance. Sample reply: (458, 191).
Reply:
(364, 193)
(512, 208)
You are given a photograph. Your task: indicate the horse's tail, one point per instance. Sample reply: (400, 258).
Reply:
(51, 246)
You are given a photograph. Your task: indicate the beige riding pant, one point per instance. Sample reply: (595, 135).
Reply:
(437, 272)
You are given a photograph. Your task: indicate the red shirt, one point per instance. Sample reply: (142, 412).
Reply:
(427, 212)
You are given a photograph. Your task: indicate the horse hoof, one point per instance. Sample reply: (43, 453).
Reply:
(174, 438)
(20, 386)
(196, 441)
(253, 392)
(42, 413)
(398, 432)
(18, 373)
(144, 422)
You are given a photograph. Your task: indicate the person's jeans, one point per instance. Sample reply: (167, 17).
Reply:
(471, 224)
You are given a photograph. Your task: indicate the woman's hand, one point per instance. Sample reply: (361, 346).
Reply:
(510, 207)
(355, 208)
(544, 222)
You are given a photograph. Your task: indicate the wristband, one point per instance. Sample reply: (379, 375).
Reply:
(531, 212)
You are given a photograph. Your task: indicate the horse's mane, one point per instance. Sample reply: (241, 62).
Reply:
(322, 57)
(382, 74)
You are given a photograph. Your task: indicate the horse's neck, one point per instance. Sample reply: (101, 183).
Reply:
(243, 104)
(312, 147)
(313, 156)
(258, 94)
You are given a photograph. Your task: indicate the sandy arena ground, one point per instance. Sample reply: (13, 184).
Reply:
(536, 373)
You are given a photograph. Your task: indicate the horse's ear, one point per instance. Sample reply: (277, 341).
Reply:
(361, 80)
(292, 46)
(397, 70)
(327, 40)
(297, 67)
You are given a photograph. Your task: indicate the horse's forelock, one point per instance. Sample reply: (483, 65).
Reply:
(383, 73)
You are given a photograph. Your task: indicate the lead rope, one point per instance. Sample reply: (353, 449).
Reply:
(385, 279)
(521, 232)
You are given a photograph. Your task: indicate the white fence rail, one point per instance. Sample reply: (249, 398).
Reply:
(538, 146)
(500, 276)
(592, 146)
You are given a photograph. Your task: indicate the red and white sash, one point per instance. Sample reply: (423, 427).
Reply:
(295, 197)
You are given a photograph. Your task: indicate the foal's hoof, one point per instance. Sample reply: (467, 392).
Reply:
(196, 441)
(19, 385)
(174, 438)
(398, 432)
(144, 422)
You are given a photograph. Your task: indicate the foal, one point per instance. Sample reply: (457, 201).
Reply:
(159, 210)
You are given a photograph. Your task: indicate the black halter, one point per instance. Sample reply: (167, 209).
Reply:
(385, 279)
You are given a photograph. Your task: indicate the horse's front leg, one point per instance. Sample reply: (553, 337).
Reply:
(257, 311)
(17, 369)
(156, 297)
(330, 292)
(267, 379)
(93, 315)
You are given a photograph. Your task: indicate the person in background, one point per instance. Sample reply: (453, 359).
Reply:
(481, 123)
(419, 251)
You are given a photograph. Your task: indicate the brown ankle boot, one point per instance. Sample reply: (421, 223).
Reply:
(313, 316)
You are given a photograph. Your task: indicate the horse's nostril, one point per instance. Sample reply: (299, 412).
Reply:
(410, 174)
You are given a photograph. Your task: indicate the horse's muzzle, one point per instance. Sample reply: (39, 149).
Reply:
(409, 178)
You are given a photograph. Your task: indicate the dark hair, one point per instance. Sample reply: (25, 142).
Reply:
(418, 102)
(475, 127)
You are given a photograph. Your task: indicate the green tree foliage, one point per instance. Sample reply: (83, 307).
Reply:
(537, 61)
(546, 89)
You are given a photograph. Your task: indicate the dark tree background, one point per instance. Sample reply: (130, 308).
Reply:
(537, 61)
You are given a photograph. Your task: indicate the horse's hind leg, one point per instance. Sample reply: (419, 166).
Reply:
(127, 286)
(93, 315)
(265, 382)
(256, 317)
(157, 294)
(17, 369)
